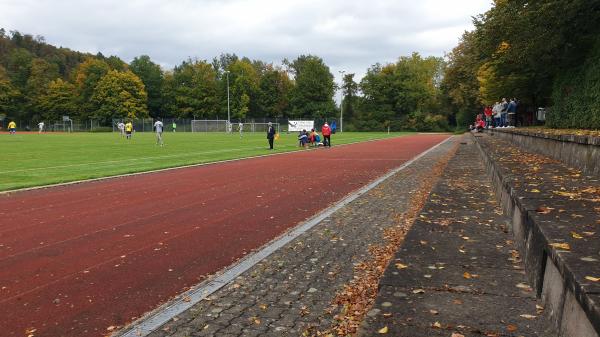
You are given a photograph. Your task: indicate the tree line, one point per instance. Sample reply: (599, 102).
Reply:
(41, 82)
(546, 53)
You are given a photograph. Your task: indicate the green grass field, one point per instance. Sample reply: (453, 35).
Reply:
(40, 159)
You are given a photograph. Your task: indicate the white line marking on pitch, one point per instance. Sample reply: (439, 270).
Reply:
(360, 140)
(163, 314)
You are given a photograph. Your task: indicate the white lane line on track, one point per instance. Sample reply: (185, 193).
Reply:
(155, 319)
(183, 166)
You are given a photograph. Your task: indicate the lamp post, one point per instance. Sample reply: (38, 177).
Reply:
(228, 114)
(342, 72)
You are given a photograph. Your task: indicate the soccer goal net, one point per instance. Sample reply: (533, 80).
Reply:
(256, 127)
(209, 125)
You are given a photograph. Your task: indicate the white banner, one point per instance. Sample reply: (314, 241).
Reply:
(301, 125)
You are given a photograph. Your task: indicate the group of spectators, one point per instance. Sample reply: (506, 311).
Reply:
(500, 115)
(313, 139)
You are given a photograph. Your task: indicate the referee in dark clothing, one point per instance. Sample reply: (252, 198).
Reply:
(271, 135)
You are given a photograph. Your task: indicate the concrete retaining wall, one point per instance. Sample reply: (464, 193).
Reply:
(567, 307)
(581, 152)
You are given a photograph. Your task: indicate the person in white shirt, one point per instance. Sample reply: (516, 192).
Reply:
(121, 127)
(240, 128)
(158, 128)
(41, 127)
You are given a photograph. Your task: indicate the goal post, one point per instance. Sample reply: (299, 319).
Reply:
(204, 125)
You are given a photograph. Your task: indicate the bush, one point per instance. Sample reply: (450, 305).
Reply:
(576, 96)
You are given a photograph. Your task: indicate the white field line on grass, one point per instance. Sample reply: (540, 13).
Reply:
(163, 314)
(355, 141)
(150, 158)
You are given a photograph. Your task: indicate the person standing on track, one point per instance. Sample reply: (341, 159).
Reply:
(12, 127)
(158, 128)
(128, 129)
(326, 131)
(271, 135)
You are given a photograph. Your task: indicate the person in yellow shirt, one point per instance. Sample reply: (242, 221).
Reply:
(12, 127)
(128, 129)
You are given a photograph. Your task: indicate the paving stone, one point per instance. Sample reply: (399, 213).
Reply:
(458, 269)
(321, 259)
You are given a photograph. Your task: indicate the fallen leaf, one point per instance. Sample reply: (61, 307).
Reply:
(524, 286)
(433, 312)
(456, 334)
(544, 210)
(511, 327)
(383, 330)
(401, 266)
(187, 299)
(467, 275)
(418, 291)
(593, 279)
(535, 190)
(437, 325)
(576, 236)
(111, 328)
(528, 316)
(561, 245)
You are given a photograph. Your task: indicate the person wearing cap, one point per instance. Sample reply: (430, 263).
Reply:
(326, 131)
(271, 135)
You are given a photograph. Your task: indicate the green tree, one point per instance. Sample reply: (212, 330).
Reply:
(275, 86)
(153, 78)
(41, 73)
(8, 94)
(312, 94)
(87, 77)
(58, 100)
(244, 81)
(349, 96)
(120, 95)
(190, 91)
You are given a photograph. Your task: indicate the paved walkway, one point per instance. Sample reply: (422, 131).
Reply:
(291, 292)
(458, 272)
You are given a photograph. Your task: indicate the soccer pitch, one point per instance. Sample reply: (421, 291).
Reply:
(31, 159)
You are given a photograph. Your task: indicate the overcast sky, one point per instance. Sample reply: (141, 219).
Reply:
(350, 35)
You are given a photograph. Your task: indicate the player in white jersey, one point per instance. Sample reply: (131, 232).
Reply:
(241, 128)
(158, 128)
(41, 127)
(121, 127)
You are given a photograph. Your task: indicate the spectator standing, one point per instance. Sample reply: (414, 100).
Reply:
(326, 132)
(504, 113)
(512, 111)
(488, 116)
(271, 135)
(497, 113)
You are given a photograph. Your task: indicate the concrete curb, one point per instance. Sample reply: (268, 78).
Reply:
(568, 306)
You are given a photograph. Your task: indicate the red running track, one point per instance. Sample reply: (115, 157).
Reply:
(77, 259)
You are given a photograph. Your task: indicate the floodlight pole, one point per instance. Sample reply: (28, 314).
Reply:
(228, 114)
(342, 72)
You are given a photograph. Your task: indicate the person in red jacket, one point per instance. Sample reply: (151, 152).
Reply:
(326, 131)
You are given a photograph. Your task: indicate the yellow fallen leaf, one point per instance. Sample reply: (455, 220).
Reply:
(535, 190)
(437, 325)
(456, 334)
(576, 236)
(466, 275)
(383, 330)
(593, 279)
(561, 245)
(511, 327)
(418, 291)
(401, 266)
